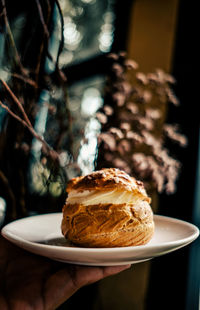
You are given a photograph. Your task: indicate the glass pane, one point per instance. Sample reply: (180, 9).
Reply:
(79, 141)
(85, 99)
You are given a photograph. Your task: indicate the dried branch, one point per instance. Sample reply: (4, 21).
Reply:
(17, 102)
(46, 31)
(23, 113)
(12, 41)
(45, 26)
(5, 107)
(61, 45)
(26, 123)
(25, 79)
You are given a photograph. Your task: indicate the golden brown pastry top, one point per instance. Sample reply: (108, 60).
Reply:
(108, 179)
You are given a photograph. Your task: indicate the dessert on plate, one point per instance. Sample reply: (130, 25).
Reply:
(107, 208)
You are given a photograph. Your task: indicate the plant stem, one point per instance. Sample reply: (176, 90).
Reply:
(46, 146)
(10, 35)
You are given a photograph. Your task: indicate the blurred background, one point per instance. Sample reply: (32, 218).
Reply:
(156, 34)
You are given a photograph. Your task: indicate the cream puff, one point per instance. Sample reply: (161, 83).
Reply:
(107, 208)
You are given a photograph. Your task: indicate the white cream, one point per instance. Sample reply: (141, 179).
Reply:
(98, 197)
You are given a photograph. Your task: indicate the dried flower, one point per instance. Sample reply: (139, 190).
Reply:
(130, 134)
(131, 64)
(108, 156)
(101, 117)
(119, 98)
(121, 164)
(171, 96)
(124, 147)
(125, 126)
(108, 140)
(154, 114)
(108, 110)
(135, 137)
(145, 122)
(171, 132)
(117, 69)
(132, 107)
(142, 78)
(116, 132)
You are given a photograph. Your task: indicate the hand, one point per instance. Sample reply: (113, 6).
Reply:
(31, 282)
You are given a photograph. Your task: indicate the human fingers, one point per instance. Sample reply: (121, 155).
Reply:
(64, 283)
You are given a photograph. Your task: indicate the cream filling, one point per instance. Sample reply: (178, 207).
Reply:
(97, 197)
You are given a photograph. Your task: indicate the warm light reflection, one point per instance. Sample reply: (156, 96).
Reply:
(71, 34)
(66, 57)
(64, 158)
(2, 209)
(91, 101)
(55, 189)
(88, 1)
(107, 32)
(87, 154)
(88, 28)
(39, 176)
(76, 11)
(105, 40)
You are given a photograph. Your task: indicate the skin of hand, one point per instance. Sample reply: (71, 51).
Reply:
(32, 282)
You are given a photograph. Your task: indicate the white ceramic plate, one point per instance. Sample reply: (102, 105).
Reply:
(41, 235)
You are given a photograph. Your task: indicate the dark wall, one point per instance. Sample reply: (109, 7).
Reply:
(169, 276)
